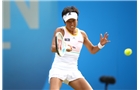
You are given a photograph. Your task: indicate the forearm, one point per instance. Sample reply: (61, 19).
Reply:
(95, 49)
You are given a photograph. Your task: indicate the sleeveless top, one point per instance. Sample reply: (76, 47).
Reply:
(70, 60)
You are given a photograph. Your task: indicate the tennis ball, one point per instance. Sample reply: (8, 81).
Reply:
(128, 51)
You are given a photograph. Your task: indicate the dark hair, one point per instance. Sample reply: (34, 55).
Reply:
(69, 9)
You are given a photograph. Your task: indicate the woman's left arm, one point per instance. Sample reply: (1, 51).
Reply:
(92, 48)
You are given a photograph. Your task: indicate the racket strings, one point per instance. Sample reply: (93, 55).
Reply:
(60, 44)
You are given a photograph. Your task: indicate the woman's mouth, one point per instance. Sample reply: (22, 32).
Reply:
(72, 27)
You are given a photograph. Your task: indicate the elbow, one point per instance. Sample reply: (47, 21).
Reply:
(93, 52)
(53, 49)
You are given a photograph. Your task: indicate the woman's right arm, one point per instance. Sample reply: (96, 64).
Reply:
(53, 48)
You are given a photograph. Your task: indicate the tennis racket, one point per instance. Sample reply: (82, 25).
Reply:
(61, 45)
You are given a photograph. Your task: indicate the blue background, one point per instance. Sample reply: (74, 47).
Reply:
(26, 64)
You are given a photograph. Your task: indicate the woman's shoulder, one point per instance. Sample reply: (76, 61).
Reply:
(83, 33)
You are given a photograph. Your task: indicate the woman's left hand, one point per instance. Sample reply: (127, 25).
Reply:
(104, 40)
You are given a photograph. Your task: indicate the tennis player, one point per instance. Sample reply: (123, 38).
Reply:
(65, 69)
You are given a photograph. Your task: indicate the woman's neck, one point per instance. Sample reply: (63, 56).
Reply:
(73, 32)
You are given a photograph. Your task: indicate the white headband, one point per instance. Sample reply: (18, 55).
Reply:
(70, 15)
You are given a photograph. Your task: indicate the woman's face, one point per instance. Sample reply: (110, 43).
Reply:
(71, 24)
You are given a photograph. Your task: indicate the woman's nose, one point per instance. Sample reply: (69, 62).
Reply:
(72, 23)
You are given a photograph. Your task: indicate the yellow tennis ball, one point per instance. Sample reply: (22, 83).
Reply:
(128, 52)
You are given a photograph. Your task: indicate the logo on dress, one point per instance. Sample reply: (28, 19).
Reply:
(67, 39)
(80, 41)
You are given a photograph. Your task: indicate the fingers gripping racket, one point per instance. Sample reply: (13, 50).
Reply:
(60, 44)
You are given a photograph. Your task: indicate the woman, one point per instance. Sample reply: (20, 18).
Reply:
(64, 69)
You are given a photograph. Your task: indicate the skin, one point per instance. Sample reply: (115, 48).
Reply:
(80, 83)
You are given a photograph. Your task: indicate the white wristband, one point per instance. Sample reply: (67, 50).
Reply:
(100, 46)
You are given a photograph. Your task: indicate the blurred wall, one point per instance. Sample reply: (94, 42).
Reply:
(27, 31)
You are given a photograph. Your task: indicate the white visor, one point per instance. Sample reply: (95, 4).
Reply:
(70, 15)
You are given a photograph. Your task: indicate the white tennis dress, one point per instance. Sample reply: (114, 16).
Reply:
(66, 67)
